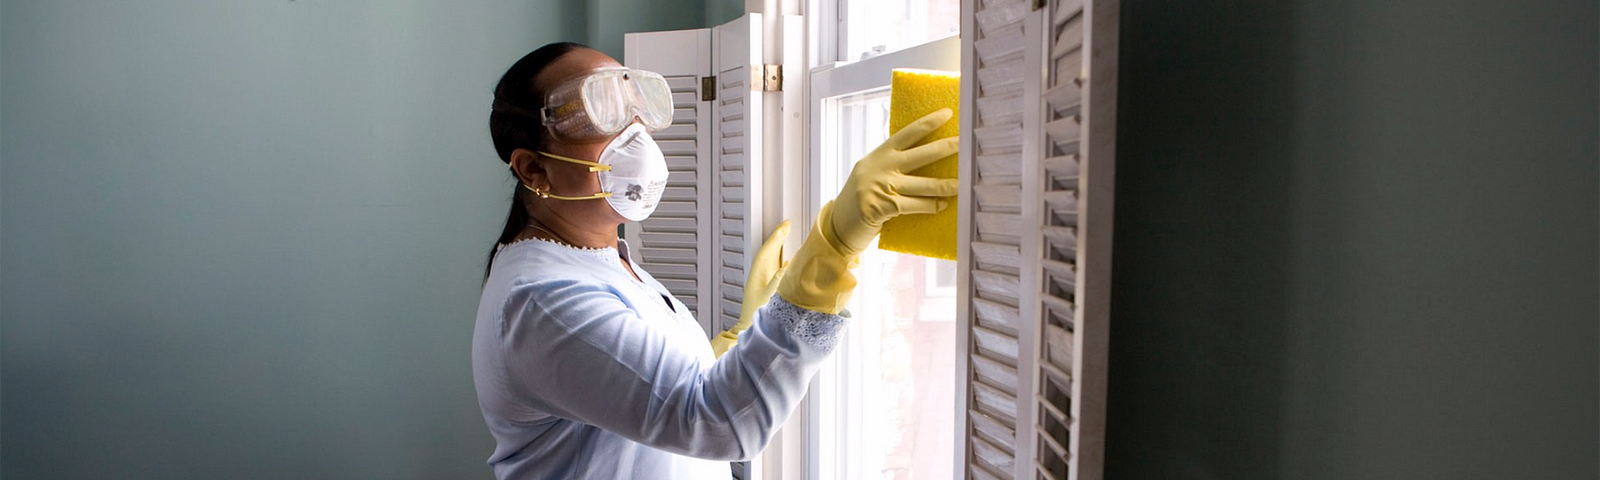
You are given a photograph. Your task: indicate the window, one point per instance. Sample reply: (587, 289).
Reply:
(1027, 303)
(862, 29)
(884, 408)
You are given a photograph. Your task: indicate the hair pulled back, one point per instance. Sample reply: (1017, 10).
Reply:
(512, 127)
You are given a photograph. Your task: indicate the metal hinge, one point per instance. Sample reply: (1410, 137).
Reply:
(708, 88)
(1038, 4)
(766, 78)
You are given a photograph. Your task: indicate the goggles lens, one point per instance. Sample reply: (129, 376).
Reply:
(606, 101)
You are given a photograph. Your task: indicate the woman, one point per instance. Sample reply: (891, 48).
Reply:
(585, 366)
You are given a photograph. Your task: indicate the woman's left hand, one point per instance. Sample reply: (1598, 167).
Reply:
(766, 269)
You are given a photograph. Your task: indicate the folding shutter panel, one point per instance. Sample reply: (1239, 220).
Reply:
(1079, 144)
(1039, 236)
(1058, 263)
(736, 162)
(671, 243)
(736, 167)
(997, 392)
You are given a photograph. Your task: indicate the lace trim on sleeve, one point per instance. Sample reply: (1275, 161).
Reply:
(817, 329)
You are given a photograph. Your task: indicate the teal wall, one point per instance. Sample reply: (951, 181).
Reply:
(1356, 240)
(610, 19)
(245, 239)
(723, 11)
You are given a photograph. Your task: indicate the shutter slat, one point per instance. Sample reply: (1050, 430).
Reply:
(1000, 110)
(1064, 10)
(658, 223)
(1069, 39)
(997, 286)
(667, 255)
(1001, 376)
(1055, 374)
(681, 163)
(1061, 200)
(1058, 345)
(998, 14)
(1064, 94)
(998, 198)
(670, 270)
(996, 403)
(999, 48)
(997, 257)
(995, 315)
(1069, 66)
(984, 423)
(1064, 130)
(1000, 343)
(992, 455)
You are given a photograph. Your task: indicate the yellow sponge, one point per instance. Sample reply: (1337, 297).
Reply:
(913, 94)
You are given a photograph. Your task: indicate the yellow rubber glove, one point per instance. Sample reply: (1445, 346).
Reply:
(878, 189)
(766, 269)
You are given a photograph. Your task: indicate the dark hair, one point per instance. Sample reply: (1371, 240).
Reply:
(513, 126)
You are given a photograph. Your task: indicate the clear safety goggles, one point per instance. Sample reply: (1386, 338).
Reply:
(605, 101)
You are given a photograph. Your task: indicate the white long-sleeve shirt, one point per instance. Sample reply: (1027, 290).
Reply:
(583, 371)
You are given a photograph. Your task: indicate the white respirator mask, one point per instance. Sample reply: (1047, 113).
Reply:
(632, 170)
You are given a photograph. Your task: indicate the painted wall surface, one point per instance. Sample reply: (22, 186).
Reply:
(245, 239)
(723, 11)
(1356, 239)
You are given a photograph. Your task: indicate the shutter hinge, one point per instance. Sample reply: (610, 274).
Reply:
(766, 77)
(1038, 4)
(708, 88)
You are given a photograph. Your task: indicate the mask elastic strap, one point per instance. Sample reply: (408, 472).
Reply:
(546, 194)
(593, 167)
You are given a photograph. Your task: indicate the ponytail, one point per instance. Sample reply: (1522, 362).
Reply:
(515, 221)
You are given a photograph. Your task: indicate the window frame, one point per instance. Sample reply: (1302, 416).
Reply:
(827, 22)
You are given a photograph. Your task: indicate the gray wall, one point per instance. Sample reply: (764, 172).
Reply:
(1356, 239)
(245, 239)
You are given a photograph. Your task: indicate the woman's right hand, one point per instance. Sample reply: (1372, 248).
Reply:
(878, 189)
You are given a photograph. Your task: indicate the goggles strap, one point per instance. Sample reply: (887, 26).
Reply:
(593, 167)
(503, 106)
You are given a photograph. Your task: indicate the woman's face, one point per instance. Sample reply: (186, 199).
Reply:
(570, 179)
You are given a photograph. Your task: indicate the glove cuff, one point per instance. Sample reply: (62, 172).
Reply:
(825, 228)
(819, 277)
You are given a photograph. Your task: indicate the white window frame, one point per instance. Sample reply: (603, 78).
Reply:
(828, 24)
(829, 80)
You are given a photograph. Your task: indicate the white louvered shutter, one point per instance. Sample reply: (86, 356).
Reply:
(672, 243)
(1079, 184)
(736, 162)
(736, 169)
(1042, 136)
(992, 232)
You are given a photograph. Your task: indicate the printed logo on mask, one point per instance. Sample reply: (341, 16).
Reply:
(652, 193)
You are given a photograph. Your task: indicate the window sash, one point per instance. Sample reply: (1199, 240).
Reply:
(824, 174)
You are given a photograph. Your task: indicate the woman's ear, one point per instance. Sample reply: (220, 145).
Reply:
(524, 163)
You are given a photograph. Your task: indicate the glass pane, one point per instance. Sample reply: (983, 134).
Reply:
(898, 360)
(880, 26)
